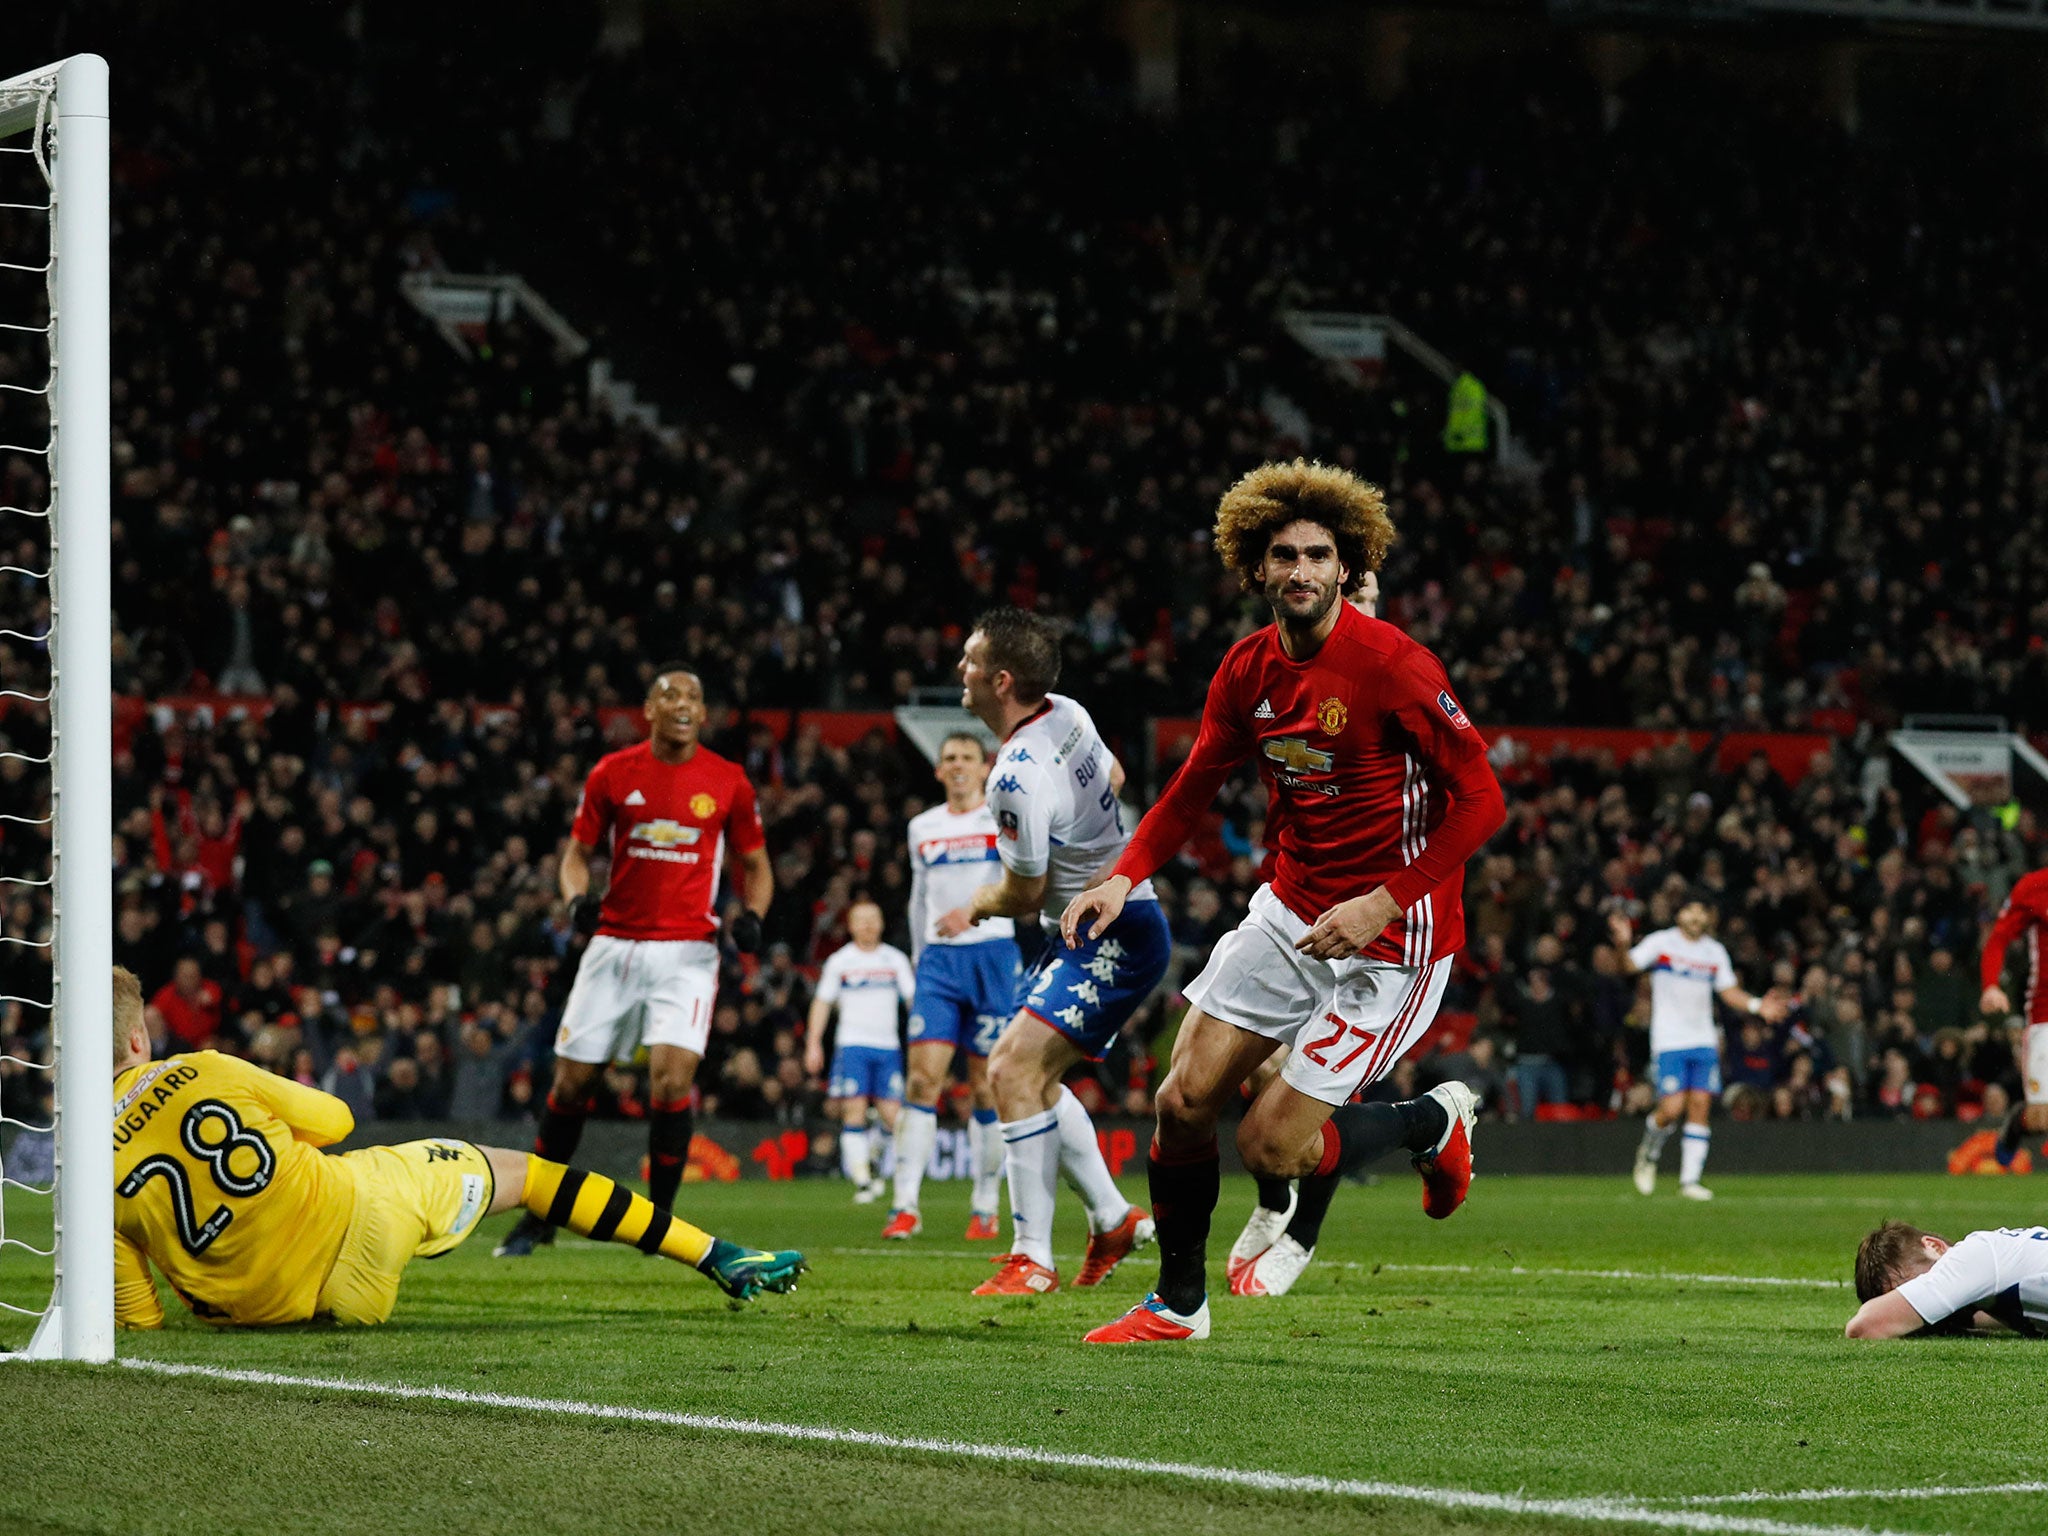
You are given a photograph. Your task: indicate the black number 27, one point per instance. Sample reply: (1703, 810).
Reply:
(197, 1235)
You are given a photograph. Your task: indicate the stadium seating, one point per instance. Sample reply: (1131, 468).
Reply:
(911, 371)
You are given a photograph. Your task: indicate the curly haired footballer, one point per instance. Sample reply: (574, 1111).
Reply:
(1274, 495)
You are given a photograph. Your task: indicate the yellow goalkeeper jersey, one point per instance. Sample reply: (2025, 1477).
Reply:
(219, 1182)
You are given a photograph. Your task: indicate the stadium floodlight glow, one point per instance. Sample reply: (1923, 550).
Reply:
(57, 115)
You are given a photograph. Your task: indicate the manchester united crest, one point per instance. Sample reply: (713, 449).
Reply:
(1331, 715)
(703, 805)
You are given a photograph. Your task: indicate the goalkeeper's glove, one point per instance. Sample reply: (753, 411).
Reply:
(583, 913)
(746, 932)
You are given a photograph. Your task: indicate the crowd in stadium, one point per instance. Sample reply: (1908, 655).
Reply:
(917, 392)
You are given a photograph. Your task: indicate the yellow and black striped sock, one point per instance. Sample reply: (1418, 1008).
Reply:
(593, 1206)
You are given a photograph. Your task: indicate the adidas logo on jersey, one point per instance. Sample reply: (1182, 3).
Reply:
(636, 798)
(1264, 711)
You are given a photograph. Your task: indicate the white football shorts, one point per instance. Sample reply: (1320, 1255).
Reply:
(634, 992)
(1348, 1021)
(2034, 1063)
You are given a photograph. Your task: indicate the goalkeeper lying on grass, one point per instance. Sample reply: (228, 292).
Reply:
(219, 1182)
(1911, 1281)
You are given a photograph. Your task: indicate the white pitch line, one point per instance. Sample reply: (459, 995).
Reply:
(1931, 1491)
(1608, 1274)
(1481, 1270)
(1606, 1511)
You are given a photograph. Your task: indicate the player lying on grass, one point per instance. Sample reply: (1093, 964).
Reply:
(220, 1183)
(1912, 1282)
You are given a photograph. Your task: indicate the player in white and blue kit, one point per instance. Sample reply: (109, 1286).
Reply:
(966, 985)
(1688, 969)
(864, 980)
(1058, 826)
(1911, 1281)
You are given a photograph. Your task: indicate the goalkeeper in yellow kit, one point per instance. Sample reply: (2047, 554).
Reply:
(219, 1181)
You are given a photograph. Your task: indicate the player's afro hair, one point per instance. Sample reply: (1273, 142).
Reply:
(1881, 1257)
(1274, 495)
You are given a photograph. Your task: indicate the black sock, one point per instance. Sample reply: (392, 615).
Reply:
(1184, 1194)
(668, 1149)
(561, 1129)
(2009, 1137)
(1367, 1132)
(1311, 1205)
(1274, 1191)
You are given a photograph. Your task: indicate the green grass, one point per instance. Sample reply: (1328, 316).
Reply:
(1557, 1386)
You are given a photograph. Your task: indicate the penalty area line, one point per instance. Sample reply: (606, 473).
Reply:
(1601, 1510)
(1523, 1271)
(1609, 1274)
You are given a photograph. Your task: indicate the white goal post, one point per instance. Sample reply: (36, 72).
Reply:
(58, 115)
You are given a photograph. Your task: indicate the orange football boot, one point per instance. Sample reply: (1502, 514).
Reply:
(1019, 1276)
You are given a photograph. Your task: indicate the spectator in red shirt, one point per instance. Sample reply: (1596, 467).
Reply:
(190, 1006)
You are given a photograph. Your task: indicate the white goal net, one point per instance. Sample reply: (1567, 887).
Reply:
(56, 1113)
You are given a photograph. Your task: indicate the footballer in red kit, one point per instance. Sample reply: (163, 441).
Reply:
(2023, 920)
(674, 812)
(668, 825)
(1379, 791)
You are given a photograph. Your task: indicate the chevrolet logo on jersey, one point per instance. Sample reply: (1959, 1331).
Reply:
(1296, 755)
(666, 833)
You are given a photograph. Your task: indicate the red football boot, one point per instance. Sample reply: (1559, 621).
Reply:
(1446, 1168)
(1019, 1276)
(1108, 1249)
(1261, 1230)
(1151, 1321)
(903, 1225)
(981, 1228)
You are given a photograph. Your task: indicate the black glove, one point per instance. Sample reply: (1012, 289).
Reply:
(583, 913)
(746, 932)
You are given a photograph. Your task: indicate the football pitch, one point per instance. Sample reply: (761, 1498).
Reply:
(1561, 1355)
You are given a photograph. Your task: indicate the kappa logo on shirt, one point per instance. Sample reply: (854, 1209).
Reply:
(1449, 706)
(1009, 785)
(636, 798)
(1264, 711)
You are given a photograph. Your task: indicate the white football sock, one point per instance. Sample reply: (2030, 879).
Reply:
(1654, 1137)
(1081, 1161)
(1692, 1153)
(853, 1154)
(917, 1132)
(1032, 1146)
(985, 1137)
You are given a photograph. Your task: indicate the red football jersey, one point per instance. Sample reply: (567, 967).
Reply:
(669, 824)
(2024, 916)
(1373, 775)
